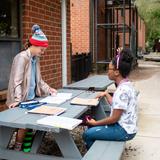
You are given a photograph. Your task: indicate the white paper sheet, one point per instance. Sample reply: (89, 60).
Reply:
(57, 99)
(60, 122)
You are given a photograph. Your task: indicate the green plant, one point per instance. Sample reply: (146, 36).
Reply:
(149, 11)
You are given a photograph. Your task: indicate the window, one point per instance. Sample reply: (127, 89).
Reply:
(9, 38)
(9, 19)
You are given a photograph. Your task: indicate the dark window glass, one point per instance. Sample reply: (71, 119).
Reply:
(9, 38)
(9, 19)
(7, 51)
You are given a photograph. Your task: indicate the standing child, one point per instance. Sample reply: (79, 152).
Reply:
(25, 79)
(121, 125)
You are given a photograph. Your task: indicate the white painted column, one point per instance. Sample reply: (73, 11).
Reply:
(64, 42)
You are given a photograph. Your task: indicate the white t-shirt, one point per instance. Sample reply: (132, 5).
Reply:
(125, 97)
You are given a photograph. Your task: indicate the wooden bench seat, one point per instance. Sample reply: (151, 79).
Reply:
(105, 150)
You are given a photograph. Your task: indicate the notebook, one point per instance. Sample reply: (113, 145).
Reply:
(85, 101)
(49, 110)
(60, 122)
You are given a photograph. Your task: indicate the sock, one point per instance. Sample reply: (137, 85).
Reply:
(18, 146)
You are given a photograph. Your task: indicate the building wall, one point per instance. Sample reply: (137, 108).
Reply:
(141, 34)
(141, 30)
(47, 14)
(80, 25)
(127, 38)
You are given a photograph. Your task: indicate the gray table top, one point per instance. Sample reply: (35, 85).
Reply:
(98, 82)
(19, 118)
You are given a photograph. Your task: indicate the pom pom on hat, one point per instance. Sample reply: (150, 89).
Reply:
(38, 38)
(35, 27)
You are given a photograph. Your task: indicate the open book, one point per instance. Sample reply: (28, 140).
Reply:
(60, 122)
(49, 110)
(85, 101)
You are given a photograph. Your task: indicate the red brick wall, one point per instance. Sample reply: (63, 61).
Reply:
(120, 18)
(80, 25)
(47, 14)
(141, 30)
(141, 33)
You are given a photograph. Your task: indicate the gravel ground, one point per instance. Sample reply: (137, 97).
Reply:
(50, 147)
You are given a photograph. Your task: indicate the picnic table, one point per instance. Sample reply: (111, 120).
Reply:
(96, 82)
(14, 118)
(18, 118)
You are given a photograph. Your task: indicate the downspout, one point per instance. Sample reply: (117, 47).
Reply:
(64, 43)
(91, 21)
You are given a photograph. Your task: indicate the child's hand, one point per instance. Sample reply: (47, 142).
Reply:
(13, 105)
(91, 121)
(52, 91)
(101, 94)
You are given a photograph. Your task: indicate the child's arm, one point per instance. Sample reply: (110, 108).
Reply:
(105, 94)
(19, 65)
(108, 120)
(109, 97)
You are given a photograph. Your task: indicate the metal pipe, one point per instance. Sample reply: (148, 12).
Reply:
(96, 35)
(92, 29)
(124, 23)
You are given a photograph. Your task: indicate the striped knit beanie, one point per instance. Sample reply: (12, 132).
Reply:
(38, 38)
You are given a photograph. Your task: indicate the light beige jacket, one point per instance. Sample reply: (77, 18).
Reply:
(20, 76)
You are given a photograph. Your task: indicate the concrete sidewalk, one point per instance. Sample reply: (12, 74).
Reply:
(145, 146)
